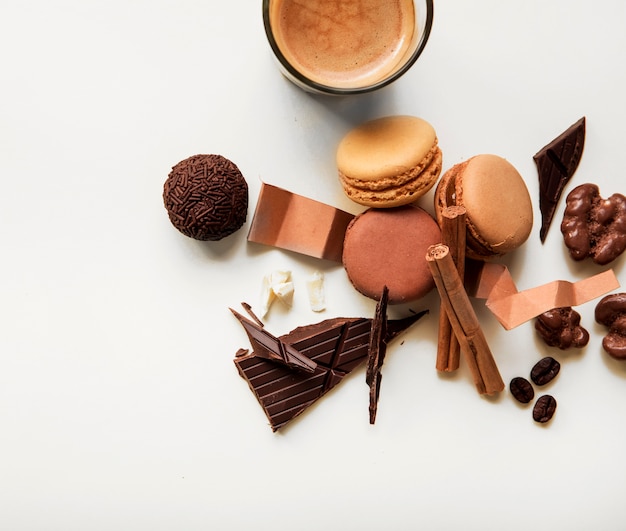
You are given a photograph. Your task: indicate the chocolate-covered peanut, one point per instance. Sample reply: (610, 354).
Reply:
(560, 327)
(594, 227)
(611, 312)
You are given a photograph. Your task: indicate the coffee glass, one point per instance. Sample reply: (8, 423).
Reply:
(342, 47)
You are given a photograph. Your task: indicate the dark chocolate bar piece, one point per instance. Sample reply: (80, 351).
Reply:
(556, 163)
(336, 346)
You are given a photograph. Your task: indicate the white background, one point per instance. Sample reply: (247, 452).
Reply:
(120, 406)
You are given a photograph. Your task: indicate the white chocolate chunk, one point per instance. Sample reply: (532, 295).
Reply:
(315, 288)
(267, 295)
(276, 285)
(284, 292)
(279, 277)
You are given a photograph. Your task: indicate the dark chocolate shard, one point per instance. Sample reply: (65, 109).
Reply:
(337, 346)
(556, 163)
(377, 351)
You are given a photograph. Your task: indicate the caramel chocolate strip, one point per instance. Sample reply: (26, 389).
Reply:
(464, 322)
(556, 163)
(515, 309)
(493, 282)
(295, 223)
(336, 346)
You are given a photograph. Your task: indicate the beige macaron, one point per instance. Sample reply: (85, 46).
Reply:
(499, 210)
(389, 161)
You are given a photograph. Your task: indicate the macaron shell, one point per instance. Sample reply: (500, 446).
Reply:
(385, 147)
(396, 191)
(387, 247)
(499, 208)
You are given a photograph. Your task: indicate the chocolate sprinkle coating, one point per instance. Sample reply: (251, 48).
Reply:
(206, 197)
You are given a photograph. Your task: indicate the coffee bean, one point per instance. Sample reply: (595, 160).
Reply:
(522, 390)
(545, 370)
(544, 408)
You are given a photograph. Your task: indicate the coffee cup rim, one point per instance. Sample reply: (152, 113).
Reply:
(313, 86)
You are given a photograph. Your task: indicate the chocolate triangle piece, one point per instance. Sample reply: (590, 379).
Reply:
(377, 351)
(556, 163)
(337, 346)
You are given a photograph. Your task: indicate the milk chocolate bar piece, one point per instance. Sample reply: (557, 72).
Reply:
(336, 346)
(556, 163)
(296, 223)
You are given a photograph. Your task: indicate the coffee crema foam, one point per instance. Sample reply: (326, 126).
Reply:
(345, 43)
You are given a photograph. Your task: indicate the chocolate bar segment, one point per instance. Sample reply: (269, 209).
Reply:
(556, 163)
(336, 346)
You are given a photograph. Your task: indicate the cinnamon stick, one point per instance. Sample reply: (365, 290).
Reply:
(453, 234)
(463, 320)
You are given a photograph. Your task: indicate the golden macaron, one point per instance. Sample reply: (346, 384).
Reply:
(389, 161)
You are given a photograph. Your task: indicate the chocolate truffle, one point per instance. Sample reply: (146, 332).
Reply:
(206, 197)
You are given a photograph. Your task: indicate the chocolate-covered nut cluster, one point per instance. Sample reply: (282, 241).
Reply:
(594, 227)
(560, 327)
(611, 312)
